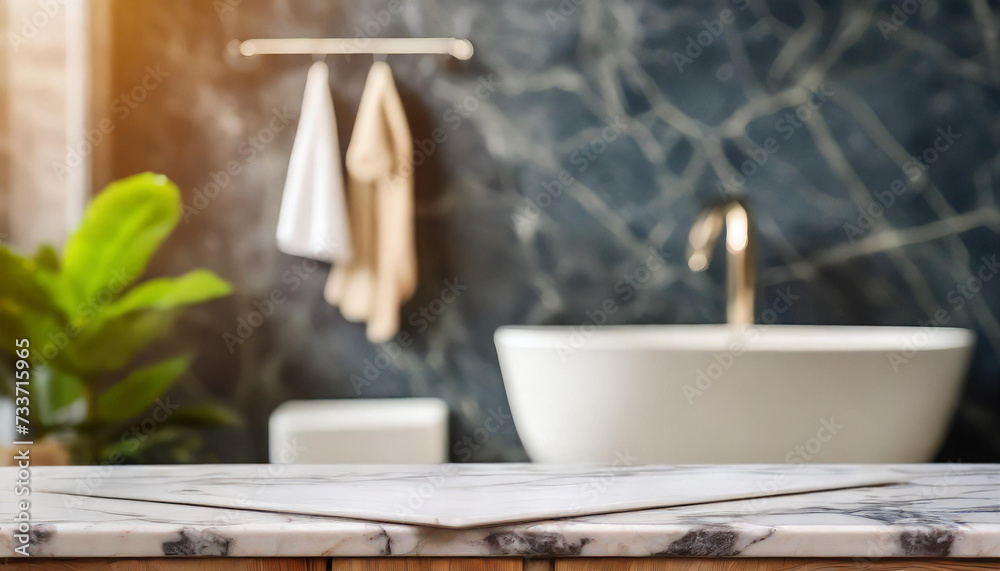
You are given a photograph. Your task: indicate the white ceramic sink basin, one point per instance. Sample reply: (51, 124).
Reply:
(686, 394)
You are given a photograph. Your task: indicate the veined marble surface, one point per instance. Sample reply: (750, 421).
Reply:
(941, 511)
(449, 495)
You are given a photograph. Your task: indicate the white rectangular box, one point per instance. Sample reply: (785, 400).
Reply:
(360, 431)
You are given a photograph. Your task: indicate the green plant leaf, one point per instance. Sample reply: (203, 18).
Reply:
(53, 390)
(122, 228)
(112, 344)
(165, 446)
(12, 325)
(204, 415)
(170, 293)
(50, 342)
(47, 258)
(23, 284)
(140, 389)
(88, 352)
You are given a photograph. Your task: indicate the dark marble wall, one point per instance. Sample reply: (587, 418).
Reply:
(583, 135)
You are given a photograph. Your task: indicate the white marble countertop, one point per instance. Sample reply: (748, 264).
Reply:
(940, 510)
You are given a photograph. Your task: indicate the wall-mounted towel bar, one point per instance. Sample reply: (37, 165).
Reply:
(456, 47)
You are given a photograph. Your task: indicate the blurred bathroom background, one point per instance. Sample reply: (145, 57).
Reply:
(582, 137)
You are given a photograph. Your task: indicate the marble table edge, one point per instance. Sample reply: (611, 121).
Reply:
(546, 539)
(131, 528)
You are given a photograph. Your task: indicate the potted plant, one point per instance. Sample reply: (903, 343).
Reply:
(86, 321)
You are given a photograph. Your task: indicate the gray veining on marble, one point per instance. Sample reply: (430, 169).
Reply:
(943, 511)
(454, 495)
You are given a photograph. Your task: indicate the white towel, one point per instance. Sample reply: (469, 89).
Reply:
(312, 222)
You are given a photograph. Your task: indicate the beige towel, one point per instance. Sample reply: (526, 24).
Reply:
(383, 273)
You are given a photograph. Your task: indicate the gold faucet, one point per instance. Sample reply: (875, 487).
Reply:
(741, 246)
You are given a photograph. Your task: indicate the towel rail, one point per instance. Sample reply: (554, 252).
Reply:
(459, 48)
